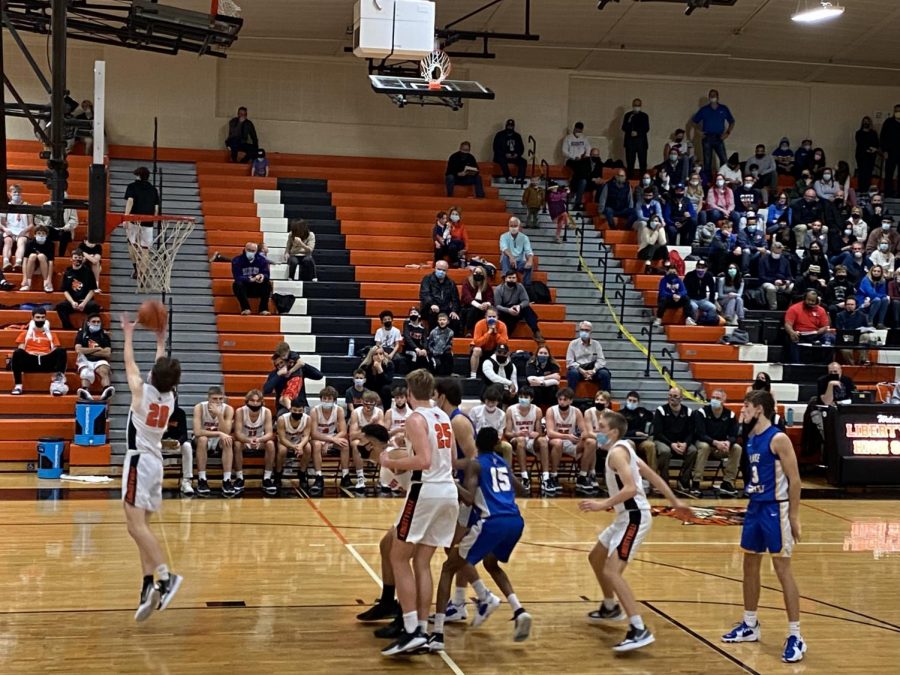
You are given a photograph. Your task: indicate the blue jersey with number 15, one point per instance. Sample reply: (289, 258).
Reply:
(496, 493)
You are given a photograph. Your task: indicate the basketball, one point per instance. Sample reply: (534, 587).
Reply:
(153, 315)
(395, 480)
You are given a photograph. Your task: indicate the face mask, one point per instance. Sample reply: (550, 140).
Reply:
(254, 408)
(826, 176)
(440, 274)
(525, 402)
(478, 279)
(760, 154)
(584, 334)
(636, 108)
(841, 277)
(671, 272)
(850, 310)
(490, 407)
(882, 247)
(359, 382)
(713, 99)
(327, 406)
(715, 404)
(600, 406)
(296, 416)
(510, 130)
(620, 179)
(250, 255)
(885, 226)
(502, 359)
(41, 239)
(576, 134)
(700, 273)
(645, 181)
(15, 198)
(720, 182)
(94, 327)
(848, 231)
(388, 324)
(454, 217)
(748, 184)
(695, 183)
(776, 256)
(807, 147)
(602, 439)
(511, 284)
(542, 359)
(732, 272)
(413, 317)
(631, 405)
(673, 157)
(39, 323)
(751, 228)
(514, 231)
(857, 255)
(678, 139)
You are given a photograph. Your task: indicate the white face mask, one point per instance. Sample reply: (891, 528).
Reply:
(40, 239)
(645, 181)
(720, 182)
(713, 99)
(454, 217)
(636, 108)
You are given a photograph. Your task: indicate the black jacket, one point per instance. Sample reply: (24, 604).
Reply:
(805, 212)
(638, 420)
(890, 135)
(700, 288)
(505, 144)
(709, 428)
(635, 121)
(458, 161)
(440, 293)
(669, 427)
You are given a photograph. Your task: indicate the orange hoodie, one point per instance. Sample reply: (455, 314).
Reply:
(485, 339)
(38, 344)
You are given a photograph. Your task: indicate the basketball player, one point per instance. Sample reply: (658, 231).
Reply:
(142, 475)
(213, 421)
(523, 431)
(252, 432)
(489, 485)
(620, 541)
(293, 432)
(772, 522)
(329, 431)
(395, 417)
(568, 434)
(491, 414)
(367, 413)
(428, 517)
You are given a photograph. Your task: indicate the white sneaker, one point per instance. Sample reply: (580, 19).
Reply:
(186, 488)
(657, 323)
(485, 609)
(690, 322)
(523, 627)
(26, 286)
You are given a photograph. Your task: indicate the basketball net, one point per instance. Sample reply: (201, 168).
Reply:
(154, 264)
(435, 68)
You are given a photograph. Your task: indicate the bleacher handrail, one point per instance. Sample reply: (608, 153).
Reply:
(545, 172)
(532, 151)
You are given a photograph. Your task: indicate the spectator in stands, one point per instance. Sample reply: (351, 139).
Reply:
(250, 272)
(747, 199)
(872, 296)
(439, 345)
(854, 261)
(762, 382)
(730, 288)
(815, 255)
(816, 233)
(850, 318)
(672, 432)
(859, 227)
(575, 147)
(299, 251)
(652, 244)
(712, 120)
(835, 387)
(784, 157)
(867, 144)
(716, 431)
(87, 134)
(818, 163)
(672, 295)
(719, 200)
(515, 251)
(648, 206)
(883, 255)
(894, 295)
(616, 200)
(804, 211)
(725, 248)
(702, 294)
(509, 149)
(886, 231)
(731, 171)
(585, 360)
(765, 163)
(775, 275)
(680, 217)
(842, 178)
(353, 396)
(838, 290)
(489, 334)
(388, 336)
(16, 228)
(640, 420)
(806, 322)
(440, 236)
(414, 338)
(462, 169)
(476, 296)
(827, 189)
(94, 349)
(533, 199)
(542, 374)
(636, 127)
(558, 207)
(437, 293)
(752, 242)
(78, 286)
(513, 306)
(62, 234)
(675, 167)
(141, 199)
(500, 370)
(588, 179)
(38, 257)
(638, 192)
(458, 246)
(803, 157)
(379, 374)
(38, 351)
(242, 137)
(684, 147)
(810, 280)
(778, 209)
(693, 191)
(259, 167)
(890, 148)
(841, 239)
(288, 377)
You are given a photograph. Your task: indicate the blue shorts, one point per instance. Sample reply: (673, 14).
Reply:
(497, 535)
(767, 528)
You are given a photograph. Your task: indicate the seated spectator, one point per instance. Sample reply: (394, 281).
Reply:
(440, 236)
(804, 211)
(883, 256)
(489, 334)
(765, 163)
(842, 178)
(591, 184)
(674, 168)
(697, 197)
(886, 231)
(414, 338)
(637, 194)
(437, 293)
(523, 432)
(818, 163)
(616, 200)
(684, 147)
(259, 167)
(851, 319)
(806, 322)
(94, 349)
(747, 199)
(701, 292)
(500, 370)
(509, 149)
(779, 208)
(93, 256)
(175, 440)
(854, 261)
(250, 272)
(827, 189)
(299, 251)
(816, 233)
(212, 424)
(815, 255)
(776, 275)
(462, 169)
(672, 295)
(719, 200)
(287, 381)
(753, 243)
(515, 252)
(716, 431)
(640, 420)
(388, 336)
(648, 205)
(242, 137)
(652, 244)
(784, 157)
(37, 351)
(558, 207)
(78, 286)
(575, 147)
(838, 290)
(803, 157)
(725, 248)
(858, 226)
(585, 360)
(439, 345)
(86, 135)
(874, 212)
(731, 171)
(16, 228)
(476, 296)
(730, 288)
(353, 396)
(491, 414)
(62, 234)
(872, 296)
(329, 437)
(567, 434)
(672, 431)
(379, 372)
(835, 387)
(894, 295)
(542, 375)
(680, 217)
(840, 240)
(533, 199)
(810, 280)
(38, 256)
(458, 246)
(513, 306)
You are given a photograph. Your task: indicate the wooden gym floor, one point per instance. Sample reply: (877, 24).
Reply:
(273, 586)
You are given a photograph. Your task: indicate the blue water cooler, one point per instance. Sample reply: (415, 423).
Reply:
(90, 423)
(50, 457)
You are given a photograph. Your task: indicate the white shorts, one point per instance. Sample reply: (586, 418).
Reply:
(86, 369)
(140, 235)
(569, 448)
(142, 477)
(626, 533)
(429, 515)
(465, 512)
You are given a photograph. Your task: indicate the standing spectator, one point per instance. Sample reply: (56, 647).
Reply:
(672, 295)
(489, 334)
(716, 431)
(499, 369)
(299, 250)
(680, 217)
(872, 296)
(616, 201)
(575, 147)
(414, 341)
(458, 246)
(509, 149)
(141, 199)
(558, 207)
(765, 164)
(533, 200)
(730, 287)
(867, 145)
(437, 293)
(476, 296)
(701, 292)
(839, 290)
(440, 347)
(16, 228)
(712, 120)
(515, 251)
(94, 349)
(78, 286)
(719, 200)
(636, 127)
(242, 137)
(542, 374)
(587, 179)
(462, 169)
(585, 360)
(672, 432)
(513, 305)
(388, 336)
(39, 256)
(250, 272)
(440, 236)
(890, 147)
(784, 157)
(775, 275)
(37, 351)
(806, 322)
(63, 232)
(752, 242)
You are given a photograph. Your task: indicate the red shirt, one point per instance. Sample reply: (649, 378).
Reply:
(806, 319)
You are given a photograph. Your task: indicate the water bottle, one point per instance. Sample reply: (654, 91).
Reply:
(351, 347)
(789, 415)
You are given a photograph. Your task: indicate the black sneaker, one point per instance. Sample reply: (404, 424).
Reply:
(268, 486)
(547, 488)
(727, 489)
(238, 486)
(346, 483)
(318, 487)
(384, 491)
(406, 643)
(227, 488)
(276, 479)
(380, 611)
(635, 639)
(202, 487)
(526, 484)
(603, 614)
(557, 488)
(148, 602)
(168, 589)
(392, 631)
(684, 484)
(593, 477)
(583, 486)
(695, 490)
(436, 642)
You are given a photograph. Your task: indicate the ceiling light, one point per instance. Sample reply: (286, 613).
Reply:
(817, 12)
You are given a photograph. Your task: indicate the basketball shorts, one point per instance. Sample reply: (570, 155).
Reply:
(497, 535)
(212, 444)
(467, 516)
(569, 448)
(626, 533)
(429, 515)
(767, 528)
(529, 445)
(87, 369)
(140, 235)
(142, 477)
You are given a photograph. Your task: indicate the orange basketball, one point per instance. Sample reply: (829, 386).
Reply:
(153, 315)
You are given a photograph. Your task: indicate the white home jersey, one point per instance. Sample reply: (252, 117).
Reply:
(255, 428)
(398, 418)
(440, 437)
(614, 483)
(361, 419)
(567, 424)
(523, 422)
(292, 431)
(149, 420)
(482, 417)
(324, 424)
(210, 422)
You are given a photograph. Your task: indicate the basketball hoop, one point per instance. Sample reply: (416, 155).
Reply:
(153, 257)
(435, 68)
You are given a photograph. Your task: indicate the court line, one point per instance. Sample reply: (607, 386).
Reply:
(827, 513)
(451, 664)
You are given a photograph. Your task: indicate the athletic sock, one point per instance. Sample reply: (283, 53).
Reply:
(162, 572)
(387, 593)
(267, 475)
(750, 619)
(583, 474)
(318, 473)
(345, 472)
(226, 475)
(459, 595)
(609, 603)
(187, 460)
(514, 602)
(794, 628)
(545, 475)
(636, 621)
(410, 621)
(480, 590)
(422, 625)
(240, 475)
(360, 473)
(201, 475)
(438, 623)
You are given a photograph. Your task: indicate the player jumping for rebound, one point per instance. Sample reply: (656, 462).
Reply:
(619, 542)
(772, 522)
(148, 418)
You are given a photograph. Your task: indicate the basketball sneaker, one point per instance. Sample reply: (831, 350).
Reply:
(392, 631)
(794, 649)
(108, 393)
(268, 486)
(148, 602)
(407, 642)
(593, 477)
(603, 614)
(345, 482)
(168, 589)
(436, 642)
(454, 613)
(547, 488)
(186, 488)
(84, 395)
(526, 484)
(202, 487)
(727, 489)
(635, 639)
(583, 486)
(485, 609)
(276, 480)
(523, 625)
(318, 487)
(380, 611)
(238, 485)
(557, 488)
(227, 488)
(360, 487)
(743, 633)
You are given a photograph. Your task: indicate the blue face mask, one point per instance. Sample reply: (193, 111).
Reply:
(584, 334)
(602, 439)
(440, 274)
(631, 405)
(95, 328)
(525, 402)
(250, 255)
(715, 404)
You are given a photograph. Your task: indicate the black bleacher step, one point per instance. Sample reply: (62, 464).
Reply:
(306, 198)
(324, 227)
(342, 307)
(302, 184)
(338, 344)
(805, 373)
(330, 289)
(326, 256)
(334, 272)
(330, 241)
(299, 210)
(342, 365)
(341, 324)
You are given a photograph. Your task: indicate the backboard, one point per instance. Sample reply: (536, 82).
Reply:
(414, 90)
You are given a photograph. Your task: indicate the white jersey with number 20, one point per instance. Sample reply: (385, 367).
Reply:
(149, 420)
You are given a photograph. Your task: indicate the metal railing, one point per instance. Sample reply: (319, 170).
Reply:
(667, 353)
(648, 331)
(545, 171)
(532, 152)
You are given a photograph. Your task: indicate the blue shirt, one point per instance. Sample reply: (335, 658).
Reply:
(495, 496)
(768, 482)
(519, 246)
(713, 120)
